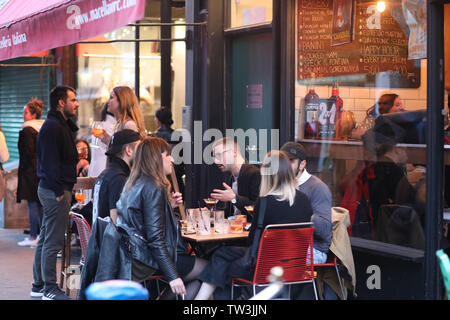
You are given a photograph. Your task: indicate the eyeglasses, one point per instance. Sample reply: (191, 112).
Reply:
(218, 155)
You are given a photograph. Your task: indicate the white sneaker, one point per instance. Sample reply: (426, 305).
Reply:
(28, 243)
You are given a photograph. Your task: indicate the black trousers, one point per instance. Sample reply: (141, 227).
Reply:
(226, 263)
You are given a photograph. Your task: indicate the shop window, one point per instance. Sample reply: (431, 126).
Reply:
(101, 67)
(244, 13)
(361, 97)
(150, 74)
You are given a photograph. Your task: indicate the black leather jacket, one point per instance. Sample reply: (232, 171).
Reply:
(146, 211)
(104, 258)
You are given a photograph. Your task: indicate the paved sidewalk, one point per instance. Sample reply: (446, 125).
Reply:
(16, 266)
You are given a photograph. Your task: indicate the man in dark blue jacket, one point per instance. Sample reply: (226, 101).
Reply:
(57, 160)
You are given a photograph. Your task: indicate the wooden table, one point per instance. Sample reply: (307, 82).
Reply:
(215, 237)
(204, 245)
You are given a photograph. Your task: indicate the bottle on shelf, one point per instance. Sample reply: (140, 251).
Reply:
(339, 110)
(311, 113)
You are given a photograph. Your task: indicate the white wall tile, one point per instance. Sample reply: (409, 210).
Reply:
(359, 93)
(300, 91)
(323, 92)
(412, 105)
(349, 104)
(363, 104)
(344, 92)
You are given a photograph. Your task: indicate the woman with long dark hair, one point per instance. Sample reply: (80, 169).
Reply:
(387, 103)
(284, 204)
(145, 206)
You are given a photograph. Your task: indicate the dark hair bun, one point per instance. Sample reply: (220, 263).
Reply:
(164, 115)
(35, 106)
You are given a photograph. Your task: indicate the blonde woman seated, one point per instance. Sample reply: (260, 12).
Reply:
(285, 204)
(145, 206)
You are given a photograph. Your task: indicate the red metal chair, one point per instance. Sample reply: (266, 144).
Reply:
(332, 262)
(84, 232)
(157, 278)
(288, 246)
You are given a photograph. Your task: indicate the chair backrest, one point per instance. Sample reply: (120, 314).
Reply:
(288, 246)
(84, 232)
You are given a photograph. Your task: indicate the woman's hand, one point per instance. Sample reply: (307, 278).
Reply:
(105, 138)
(177, 199)
(177, 286)
(82, 165)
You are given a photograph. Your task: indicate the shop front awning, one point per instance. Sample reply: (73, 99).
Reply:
(30, 26)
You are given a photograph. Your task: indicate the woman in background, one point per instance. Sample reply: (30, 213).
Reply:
(163, 121)
(98, 160)
(387, 103)
(27, 180)
(124, 105)
(4, 153)
(84, 157)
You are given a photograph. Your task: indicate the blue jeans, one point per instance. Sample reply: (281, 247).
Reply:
(35, 215)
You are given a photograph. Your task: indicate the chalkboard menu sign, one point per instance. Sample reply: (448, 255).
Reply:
(352, 42)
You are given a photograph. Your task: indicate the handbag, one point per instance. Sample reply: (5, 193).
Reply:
(249, 259)
(132, 243)
(2, 182)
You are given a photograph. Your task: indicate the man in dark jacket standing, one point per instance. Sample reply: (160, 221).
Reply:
(57, 160)
(245, 181)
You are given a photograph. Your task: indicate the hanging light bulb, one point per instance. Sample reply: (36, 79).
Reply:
(381, 6)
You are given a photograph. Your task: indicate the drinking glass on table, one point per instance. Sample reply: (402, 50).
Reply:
(236, 225)
(219, 218)
(203, 222)
(211, 203)
(191, 223)
(97, 131)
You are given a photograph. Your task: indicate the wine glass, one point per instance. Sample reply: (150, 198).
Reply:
(97, 131)
(80, 197)
(250, 209)
(211, 203)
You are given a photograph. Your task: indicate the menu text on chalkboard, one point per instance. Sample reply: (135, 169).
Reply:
(355, 50)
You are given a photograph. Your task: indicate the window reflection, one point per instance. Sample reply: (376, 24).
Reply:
(365, 126)
(101, 67)
(249, 12)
